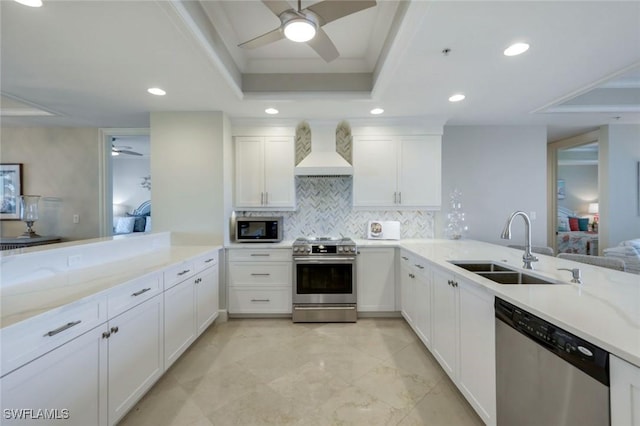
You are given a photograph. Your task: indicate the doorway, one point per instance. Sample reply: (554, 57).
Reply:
(573, 194)
(125, 190)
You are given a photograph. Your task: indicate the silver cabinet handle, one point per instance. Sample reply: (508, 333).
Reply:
(395, 198)
(419, 266)
(138, 293)
(405, 258)
(114, 330)
(62, 328)
(260, 254)
(183, 272)
(106, 335)
(261, 300)
(198, 281)
(256, 274)
(262, 198)
(266, 198)
(209, 260)
(399, 197)
(412, 276)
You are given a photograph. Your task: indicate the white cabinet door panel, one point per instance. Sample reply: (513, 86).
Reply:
(375, 171)
(179, 320)
(206, 298)
(278, 171)
(625, 393)
(376, 280)
(419, 179)
(445, 326)
(249, 171)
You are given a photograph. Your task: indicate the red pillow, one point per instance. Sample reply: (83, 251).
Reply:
(573, 224)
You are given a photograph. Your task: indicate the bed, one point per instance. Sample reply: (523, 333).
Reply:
(139, 220)
(568, 241)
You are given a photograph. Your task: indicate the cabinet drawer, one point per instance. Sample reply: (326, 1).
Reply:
(260, 255)
(29, 339)
(133, 293)
(206, 261)
(178, 273)
(259, 300)
(260, 274)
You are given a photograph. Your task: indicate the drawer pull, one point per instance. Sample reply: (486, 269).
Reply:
(419, 266)
(209, 260)
(183, 272)
(405, 258)
(260, 254)
(138, 293)
(260, 275)
(261, 300)
(63, 328)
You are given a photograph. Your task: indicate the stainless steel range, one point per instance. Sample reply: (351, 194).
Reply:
(324, 280)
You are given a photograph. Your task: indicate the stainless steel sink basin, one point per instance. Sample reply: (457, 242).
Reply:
(502, 274)
(482, 266)
(515, 278)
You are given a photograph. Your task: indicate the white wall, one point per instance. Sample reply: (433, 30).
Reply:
(127, 178)
(187, 166)
(619, 156)
(498, 169)
(581, 187)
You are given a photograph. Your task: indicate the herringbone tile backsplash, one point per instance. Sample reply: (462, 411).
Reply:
(324, 208)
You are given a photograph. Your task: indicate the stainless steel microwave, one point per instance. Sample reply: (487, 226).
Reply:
(259, 229)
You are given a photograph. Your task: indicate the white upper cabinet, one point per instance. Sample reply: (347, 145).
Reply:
(264, 178)
(397, 171)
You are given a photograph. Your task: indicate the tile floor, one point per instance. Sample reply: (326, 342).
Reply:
(274, 372)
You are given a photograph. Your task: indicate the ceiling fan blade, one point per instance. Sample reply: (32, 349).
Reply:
(277, 6)
(330, 10)
(263, 40)
(323, 46)
(122, 151)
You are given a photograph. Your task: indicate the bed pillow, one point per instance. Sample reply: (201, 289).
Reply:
(563, 223)
(147, 225)
(139, 223)
(125, 225)
(573, 224)
(583, 224)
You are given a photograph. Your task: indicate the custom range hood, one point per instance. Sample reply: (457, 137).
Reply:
(323, 160)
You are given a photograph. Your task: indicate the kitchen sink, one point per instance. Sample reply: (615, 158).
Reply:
(502, 274)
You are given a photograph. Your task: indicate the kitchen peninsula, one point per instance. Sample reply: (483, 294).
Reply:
(41, 303)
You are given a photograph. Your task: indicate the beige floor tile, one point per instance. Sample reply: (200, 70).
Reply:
(442, 406)
(272, 371)
(396, 387)
(354, 406)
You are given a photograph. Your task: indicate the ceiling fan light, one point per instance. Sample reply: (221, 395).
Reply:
(299, 30)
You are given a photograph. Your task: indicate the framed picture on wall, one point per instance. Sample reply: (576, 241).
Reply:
(561, 189)
(10, 191)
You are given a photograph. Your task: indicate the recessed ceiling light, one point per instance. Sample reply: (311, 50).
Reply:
(271, 111)
(299, 30)
(456, 98)
(30, 3)
(516, 49)
(376, 111)
(156, 91)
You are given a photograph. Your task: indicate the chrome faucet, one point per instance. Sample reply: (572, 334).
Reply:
(527, 257)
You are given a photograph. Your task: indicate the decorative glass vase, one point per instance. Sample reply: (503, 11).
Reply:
(456, 227)
(29, 213)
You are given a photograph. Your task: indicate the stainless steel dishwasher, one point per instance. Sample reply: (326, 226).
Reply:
(545, 375)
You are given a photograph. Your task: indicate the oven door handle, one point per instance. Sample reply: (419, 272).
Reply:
(324, 259)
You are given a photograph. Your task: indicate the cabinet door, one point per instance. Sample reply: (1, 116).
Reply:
(407, 276)
(179, 320)
(135, 355)
(625, 393)
(419, 172)
(375, 168)
(69, 382)
(422, 307)
(206, 298)
(249, 189)
(376, 280)
(477, 375)
(445, 327)
(279, 176)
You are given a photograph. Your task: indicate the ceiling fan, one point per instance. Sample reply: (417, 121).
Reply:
(117, 150)
(305, 25)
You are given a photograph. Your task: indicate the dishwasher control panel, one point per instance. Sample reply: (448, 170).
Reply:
(564, 344)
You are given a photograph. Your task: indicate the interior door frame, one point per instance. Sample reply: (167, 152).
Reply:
(105, 175)
(552, 178)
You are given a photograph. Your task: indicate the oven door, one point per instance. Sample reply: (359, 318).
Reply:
(324, 280)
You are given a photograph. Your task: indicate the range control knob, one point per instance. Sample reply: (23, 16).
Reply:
(340, 249)
(308, 250)
(295, 249)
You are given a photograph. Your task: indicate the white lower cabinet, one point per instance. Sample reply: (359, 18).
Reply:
(135, 355)
(259, 281)
(415, 294)
(625, 392)
(375, 278)
(455, 320)
(69, 383)
(207, 303)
